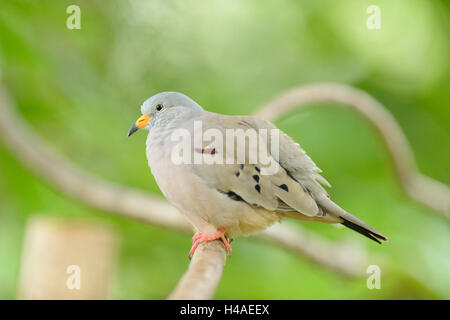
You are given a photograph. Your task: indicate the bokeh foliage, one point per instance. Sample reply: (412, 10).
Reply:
(81, 90)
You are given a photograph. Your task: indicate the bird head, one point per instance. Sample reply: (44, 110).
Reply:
(162, 106)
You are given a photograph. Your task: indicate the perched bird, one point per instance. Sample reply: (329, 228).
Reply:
(232, 196)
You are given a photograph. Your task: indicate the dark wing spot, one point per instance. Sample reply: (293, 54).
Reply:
(210, 151)
(232, 195)
(241, 166)
(258, 188)
(257, 169)
(256, 177)
(238, 173)
(284, 187)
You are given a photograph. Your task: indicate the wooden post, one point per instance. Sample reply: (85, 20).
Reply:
(66, 260)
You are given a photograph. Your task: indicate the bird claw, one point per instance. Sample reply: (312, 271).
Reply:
(196, 236)
(200, 237)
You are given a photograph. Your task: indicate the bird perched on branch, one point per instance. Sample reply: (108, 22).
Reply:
(225, 183)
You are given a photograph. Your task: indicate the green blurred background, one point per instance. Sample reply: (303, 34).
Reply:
(81, 90)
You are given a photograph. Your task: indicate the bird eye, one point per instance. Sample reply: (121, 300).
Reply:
(159, 107)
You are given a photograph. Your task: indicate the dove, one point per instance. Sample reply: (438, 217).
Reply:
(225, 195)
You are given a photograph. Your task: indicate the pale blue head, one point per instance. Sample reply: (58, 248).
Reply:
(163, 107)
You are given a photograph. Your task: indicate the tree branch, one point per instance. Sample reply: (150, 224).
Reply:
(420, 188)
(33, 153)
(204, 273)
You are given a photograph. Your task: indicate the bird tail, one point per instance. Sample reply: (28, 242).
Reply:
(352, 222)
(363, 228)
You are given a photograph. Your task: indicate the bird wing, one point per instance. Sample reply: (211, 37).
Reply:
(291, 188)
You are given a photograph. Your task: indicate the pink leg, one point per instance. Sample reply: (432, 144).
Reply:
(199, 238)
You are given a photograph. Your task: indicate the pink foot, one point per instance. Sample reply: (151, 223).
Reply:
(196, 236)
(200, 237)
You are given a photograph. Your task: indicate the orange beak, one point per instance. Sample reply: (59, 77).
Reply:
(140, 123)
